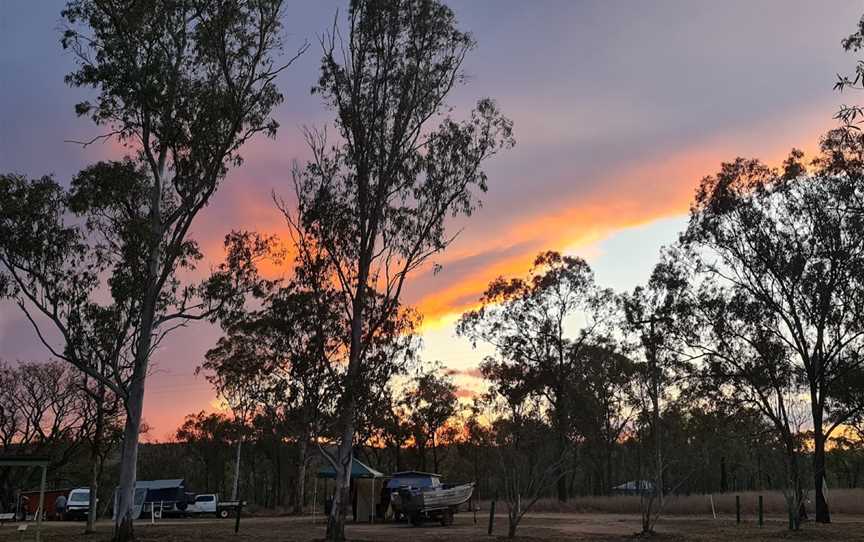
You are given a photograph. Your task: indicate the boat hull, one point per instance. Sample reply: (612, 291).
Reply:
(414, 501)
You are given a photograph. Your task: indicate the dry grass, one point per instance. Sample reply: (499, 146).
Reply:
(841, 501)
(542, 526)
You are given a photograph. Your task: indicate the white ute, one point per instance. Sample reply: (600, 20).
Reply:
(209, 503)
(78, 503)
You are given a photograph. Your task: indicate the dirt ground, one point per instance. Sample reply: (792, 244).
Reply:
(551, 527)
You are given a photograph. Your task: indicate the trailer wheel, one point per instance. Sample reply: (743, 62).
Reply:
(223, 513)
(447, 517)
(417, 519)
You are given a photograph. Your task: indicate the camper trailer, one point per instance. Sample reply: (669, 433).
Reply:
(157, 497)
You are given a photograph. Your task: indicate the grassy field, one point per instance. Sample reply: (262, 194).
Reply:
(541, 526)
(842, 501)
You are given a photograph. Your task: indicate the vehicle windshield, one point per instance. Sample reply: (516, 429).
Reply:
(79, 496)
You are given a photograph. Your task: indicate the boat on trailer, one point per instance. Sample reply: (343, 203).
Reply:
(425, 497)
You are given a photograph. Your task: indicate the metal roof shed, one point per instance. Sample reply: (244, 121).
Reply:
(31, 461)
(361, 475)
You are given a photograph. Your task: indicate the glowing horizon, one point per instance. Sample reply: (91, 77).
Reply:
(619, 110)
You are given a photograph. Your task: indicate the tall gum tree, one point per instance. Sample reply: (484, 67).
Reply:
(654, 315)
(183, 85)
(375, 202)
(790, 241)
(749, 367)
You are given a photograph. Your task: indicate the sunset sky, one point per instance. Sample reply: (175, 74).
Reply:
(619, 109)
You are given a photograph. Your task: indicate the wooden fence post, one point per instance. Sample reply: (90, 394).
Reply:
(737, 508)
(761, 514)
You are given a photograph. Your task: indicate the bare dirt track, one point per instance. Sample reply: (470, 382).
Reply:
(547, 526)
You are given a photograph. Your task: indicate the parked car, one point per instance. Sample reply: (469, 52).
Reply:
(78, 504)
(209, 503)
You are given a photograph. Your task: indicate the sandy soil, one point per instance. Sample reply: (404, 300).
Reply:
(549, 526)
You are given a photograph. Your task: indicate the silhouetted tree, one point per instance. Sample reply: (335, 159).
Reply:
(431, 401)
(788, 245)
(282, 346)
(209, 437)
(602, 399)
(749, 365)
(185, 84)
(376, 202)
(654, 315)
(530, 323)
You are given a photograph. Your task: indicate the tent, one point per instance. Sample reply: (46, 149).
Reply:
(366, 483)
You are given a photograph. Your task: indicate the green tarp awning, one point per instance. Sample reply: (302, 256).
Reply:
(358, 470)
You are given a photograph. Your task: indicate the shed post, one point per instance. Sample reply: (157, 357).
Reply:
(372, 502)
(315, 499)
(41, 504)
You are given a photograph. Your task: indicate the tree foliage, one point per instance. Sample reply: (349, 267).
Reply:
(785, 247)
(542, 328)
(375, 202)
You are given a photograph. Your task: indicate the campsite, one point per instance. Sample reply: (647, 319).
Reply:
(462, 270)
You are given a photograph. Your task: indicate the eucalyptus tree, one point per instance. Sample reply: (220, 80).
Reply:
(183, 85)
(430, 402)
(747, 365)
(541, 327)
(42, 408)
(655, 315)
(208, 437)
(235, 366)
(787, 246)
(375, 202)
(281, 348)
(524, 464)
(850, 115)
(603, 391)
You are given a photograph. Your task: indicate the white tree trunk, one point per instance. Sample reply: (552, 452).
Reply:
(237, 471)
(129, 461)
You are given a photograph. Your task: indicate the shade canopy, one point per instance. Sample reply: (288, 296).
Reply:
(172, 483)
(358, 470)
(24, 461)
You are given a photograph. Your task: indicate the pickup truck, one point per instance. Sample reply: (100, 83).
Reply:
(209, 503)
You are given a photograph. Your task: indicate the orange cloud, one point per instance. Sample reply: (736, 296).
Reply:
(501, 239)
(624, 198)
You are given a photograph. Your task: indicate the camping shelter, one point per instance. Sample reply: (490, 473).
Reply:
(169, 494)
(366, 485)
(31, 461)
